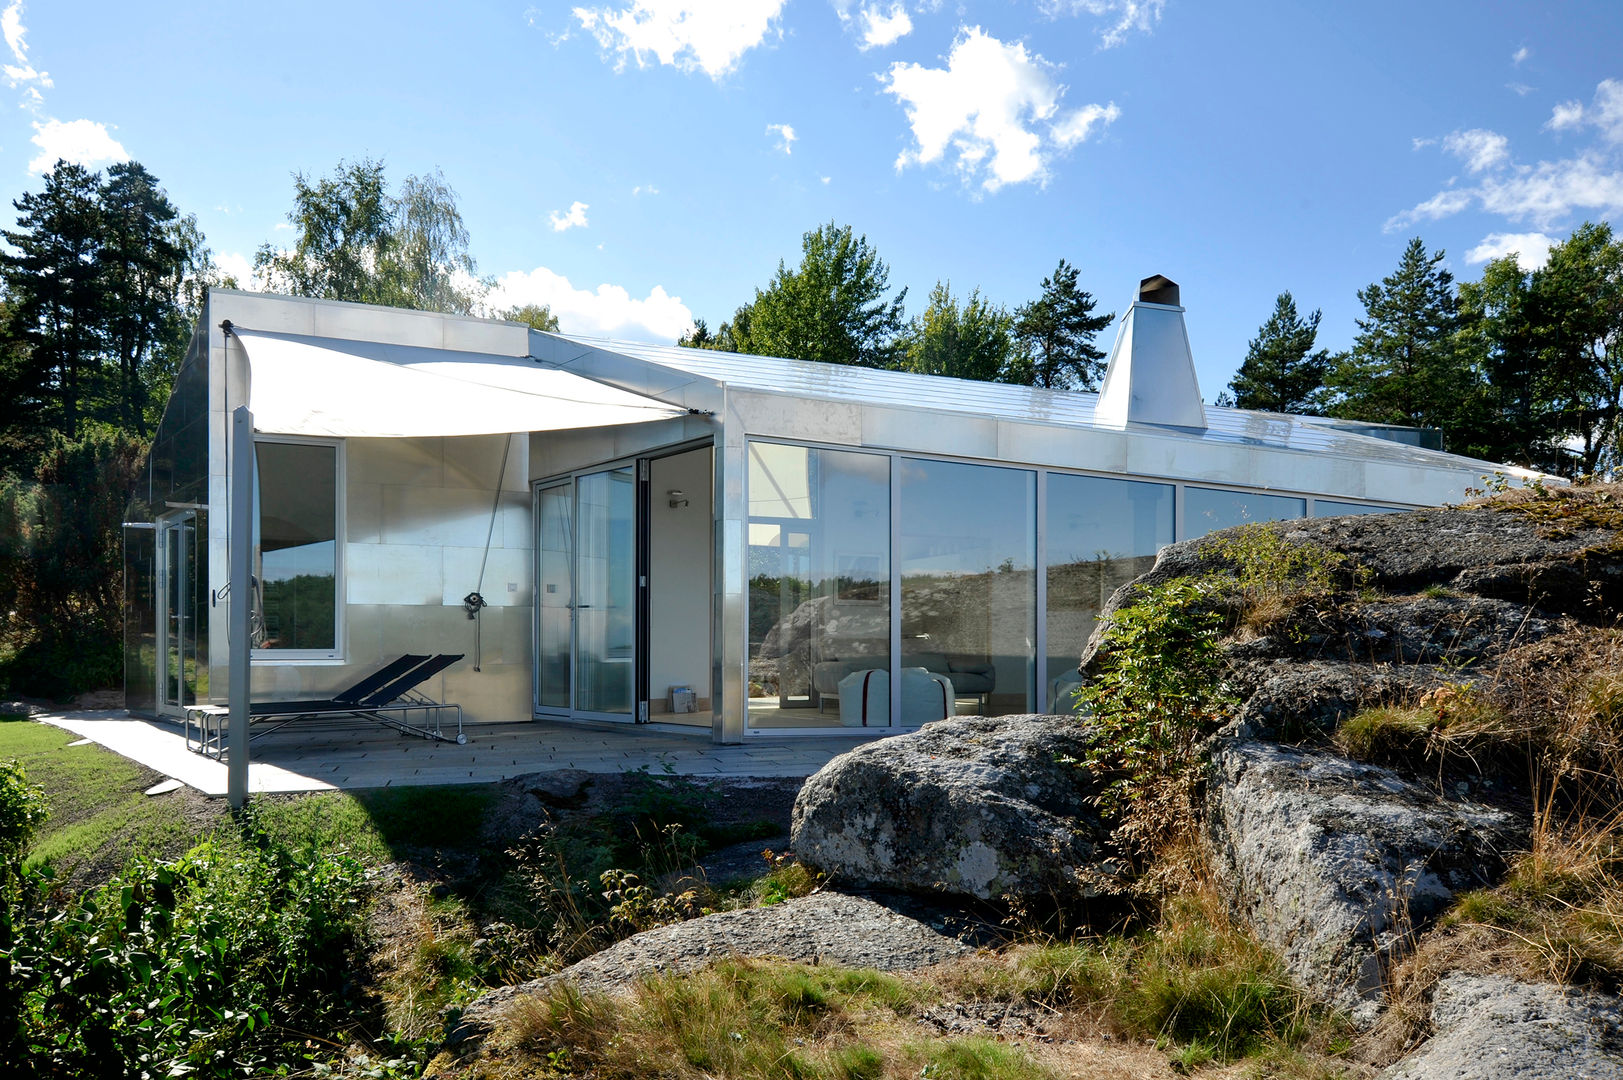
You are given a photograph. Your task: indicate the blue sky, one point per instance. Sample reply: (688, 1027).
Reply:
(630, 162)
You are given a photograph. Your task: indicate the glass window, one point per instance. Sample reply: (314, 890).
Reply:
(1207, 509)
(819, 587)
(1101, 534)
(968, 549)
(296, 547)
(1332, 508)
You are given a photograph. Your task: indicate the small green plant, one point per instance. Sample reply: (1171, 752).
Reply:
(22, 811)
(1157, 694)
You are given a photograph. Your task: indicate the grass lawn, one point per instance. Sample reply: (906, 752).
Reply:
(97, 807)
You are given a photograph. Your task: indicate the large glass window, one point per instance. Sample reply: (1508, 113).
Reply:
(968, 547)
(296, 548)
(1333, 508)
(819, 587)
(1101, 534)
(1208, 509)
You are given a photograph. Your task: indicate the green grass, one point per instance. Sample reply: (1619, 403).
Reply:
(95, 796)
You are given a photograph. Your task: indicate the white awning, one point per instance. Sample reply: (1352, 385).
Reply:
(362, 389)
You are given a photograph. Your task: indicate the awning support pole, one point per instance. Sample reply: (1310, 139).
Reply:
(241, 534)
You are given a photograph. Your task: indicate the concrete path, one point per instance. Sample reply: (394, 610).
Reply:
(325, 756)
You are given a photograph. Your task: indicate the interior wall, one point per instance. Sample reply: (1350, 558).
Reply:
(679, 592)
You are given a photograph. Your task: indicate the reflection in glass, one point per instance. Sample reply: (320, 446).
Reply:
(1207, 509)
(968, 548)
(555, 595)
(819, 583)
(1102, 533)
(605, 580)
(1332, 508)
(295, 549)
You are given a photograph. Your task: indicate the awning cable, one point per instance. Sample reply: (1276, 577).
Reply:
(475, 602)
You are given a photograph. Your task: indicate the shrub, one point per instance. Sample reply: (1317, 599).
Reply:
(1157, 694)
(215, 964)
(22, 810)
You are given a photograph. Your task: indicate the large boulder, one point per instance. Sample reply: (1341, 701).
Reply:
(1337, 864)
(975, 806)
(824, 927)
(1495, 1028)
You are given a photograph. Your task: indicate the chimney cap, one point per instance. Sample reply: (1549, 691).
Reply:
(1159, 289)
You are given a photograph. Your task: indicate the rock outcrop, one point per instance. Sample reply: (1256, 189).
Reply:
(820, 928)
(974, 806)
(1337, 864)
(1496, 1028)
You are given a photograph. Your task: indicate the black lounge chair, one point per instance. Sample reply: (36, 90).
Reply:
(388, 696)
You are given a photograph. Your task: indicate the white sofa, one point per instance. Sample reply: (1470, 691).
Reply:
(865, 698)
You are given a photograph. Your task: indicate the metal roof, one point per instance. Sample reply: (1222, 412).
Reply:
(1004, 401)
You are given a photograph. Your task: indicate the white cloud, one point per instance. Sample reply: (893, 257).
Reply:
(1532, 249)
(1124, 16)
(1075, 127)
(826, 179)
(236, 265)
(607, 311)
(644, 189)
(1520, 89)
(1519, 55)
(1548, 195)
(879, 28)
(711, 37)
(1421, 144)
(1479, 148)
(989, 108)
(1605, 113)
(1568, 114)
(574, 218)
(11, 24)
(786, 136)
(83, 142)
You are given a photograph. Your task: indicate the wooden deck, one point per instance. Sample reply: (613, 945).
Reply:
(329, 755)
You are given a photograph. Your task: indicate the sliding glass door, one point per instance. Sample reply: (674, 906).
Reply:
(586, 595)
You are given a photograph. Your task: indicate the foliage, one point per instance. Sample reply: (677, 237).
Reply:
(1192, 981)
(833, 308)
(1281, 371)
(1406, 365)
(1055, 334)
(354, 241)
(216, 964)
(96, 277)
(1155, 696)
(22, 811)
(61, 561)
(744, 1019)
(535, 316)
(971, 341)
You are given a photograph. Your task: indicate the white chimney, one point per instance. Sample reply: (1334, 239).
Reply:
(1151, 377)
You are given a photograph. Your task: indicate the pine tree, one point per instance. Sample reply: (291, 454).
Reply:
(1407, 365)
(57, 296)
(1055, 333)
(1281, 371)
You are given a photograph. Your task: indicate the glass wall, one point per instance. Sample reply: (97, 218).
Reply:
(1101, 533)
(1332, 508)
(1208, 509)
(555, 593)
(296, 547)
(819, 586)
(968, 551)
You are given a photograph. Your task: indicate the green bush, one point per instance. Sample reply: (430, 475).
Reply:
(22, 810)
(1157, 694)
(61, 566)
(215, 964)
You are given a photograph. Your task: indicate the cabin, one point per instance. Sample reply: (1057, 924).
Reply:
(611, 532)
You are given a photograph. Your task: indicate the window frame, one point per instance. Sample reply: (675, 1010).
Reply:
(339, 652)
